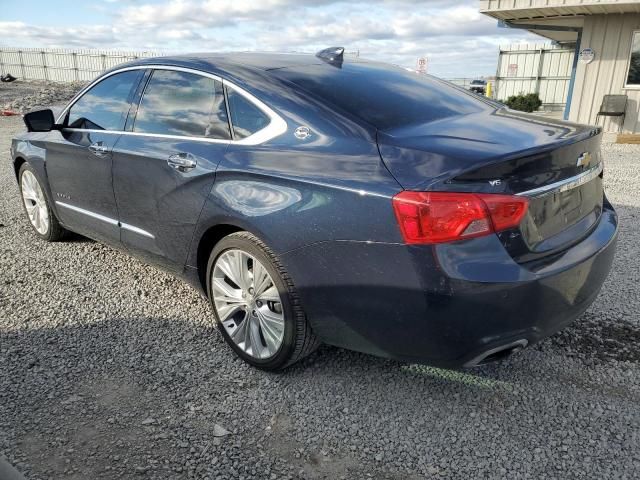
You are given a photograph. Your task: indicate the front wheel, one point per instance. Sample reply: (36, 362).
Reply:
(36, 206)
(256, 305)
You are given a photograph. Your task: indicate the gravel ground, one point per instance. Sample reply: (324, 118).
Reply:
(21, 96)
(112, 369)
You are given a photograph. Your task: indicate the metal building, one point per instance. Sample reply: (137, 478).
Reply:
(606, 35)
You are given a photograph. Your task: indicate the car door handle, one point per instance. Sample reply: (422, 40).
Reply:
(98, 149)
(182, 162)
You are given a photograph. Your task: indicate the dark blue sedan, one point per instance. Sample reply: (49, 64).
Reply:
(320, 199)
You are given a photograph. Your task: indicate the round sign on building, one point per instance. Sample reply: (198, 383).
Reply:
(587, 55)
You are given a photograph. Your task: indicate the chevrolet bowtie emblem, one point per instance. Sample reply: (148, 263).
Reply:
(584, 159)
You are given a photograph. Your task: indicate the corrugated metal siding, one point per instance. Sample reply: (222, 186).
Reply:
(522, 9)
(541, 68)
(512, 4)
(610, 37)
(63, 65)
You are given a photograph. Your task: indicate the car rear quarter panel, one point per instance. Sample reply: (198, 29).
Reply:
(291, 197)
(292, 192)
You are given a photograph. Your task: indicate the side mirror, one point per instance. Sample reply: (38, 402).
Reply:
(40, 121)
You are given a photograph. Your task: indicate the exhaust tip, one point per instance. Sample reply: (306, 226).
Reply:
(497, 353)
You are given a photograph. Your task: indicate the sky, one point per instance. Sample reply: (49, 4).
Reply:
(455, 38)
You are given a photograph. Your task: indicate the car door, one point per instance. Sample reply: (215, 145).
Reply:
(164, 165)
(79, 159)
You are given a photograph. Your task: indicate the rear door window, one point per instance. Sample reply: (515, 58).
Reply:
(183, 104)
(106, 105)
(246, 118)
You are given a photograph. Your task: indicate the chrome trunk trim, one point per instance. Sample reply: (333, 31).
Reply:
(566, 184)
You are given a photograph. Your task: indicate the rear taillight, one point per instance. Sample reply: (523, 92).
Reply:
(438, 217)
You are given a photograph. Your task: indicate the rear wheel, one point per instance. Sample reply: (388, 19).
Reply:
(255, 303)
(41, 217)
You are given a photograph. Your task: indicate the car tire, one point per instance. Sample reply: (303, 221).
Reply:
(36, 207)
(237, 322)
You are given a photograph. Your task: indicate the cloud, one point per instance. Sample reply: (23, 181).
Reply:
(210, 13)
(47, 36)
(458, 40)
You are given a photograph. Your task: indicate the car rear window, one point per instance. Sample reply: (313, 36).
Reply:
(382, 95)
(246, 118)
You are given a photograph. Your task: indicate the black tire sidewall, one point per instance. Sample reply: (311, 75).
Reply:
(46, 236)
(288, 344)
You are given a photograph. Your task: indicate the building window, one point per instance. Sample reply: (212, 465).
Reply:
(633, 75)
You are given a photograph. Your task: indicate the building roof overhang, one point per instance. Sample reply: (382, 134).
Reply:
(559, 20)
(516, 10)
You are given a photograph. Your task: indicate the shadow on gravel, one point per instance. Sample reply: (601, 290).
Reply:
(147, 396)
(73, 237)
(76, 400)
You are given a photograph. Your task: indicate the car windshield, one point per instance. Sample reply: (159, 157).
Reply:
(383, 95)
(477, 82)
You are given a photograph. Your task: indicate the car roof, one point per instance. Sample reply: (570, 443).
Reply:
(256, 72)
(231, 61)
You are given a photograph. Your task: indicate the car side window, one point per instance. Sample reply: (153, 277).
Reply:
(106, 105)
(183, 104)
(246, 118)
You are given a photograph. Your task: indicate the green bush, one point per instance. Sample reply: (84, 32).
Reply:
(525, 103)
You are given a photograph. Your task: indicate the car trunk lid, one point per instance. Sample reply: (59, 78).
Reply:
(556, 165)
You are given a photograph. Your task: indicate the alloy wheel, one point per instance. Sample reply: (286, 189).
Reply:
(248, 303)
(34, 202)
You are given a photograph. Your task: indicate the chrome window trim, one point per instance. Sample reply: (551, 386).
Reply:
(566, 184)
(155, 135)
(277, 125)
(109, 220)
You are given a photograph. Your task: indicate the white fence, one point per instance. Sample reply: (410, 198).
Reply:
(543, 69)
(62, 65)
(535, 68)
(69, 65)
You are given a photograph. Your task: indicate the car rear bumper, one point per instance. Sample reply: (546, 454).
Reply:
(447, 305)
